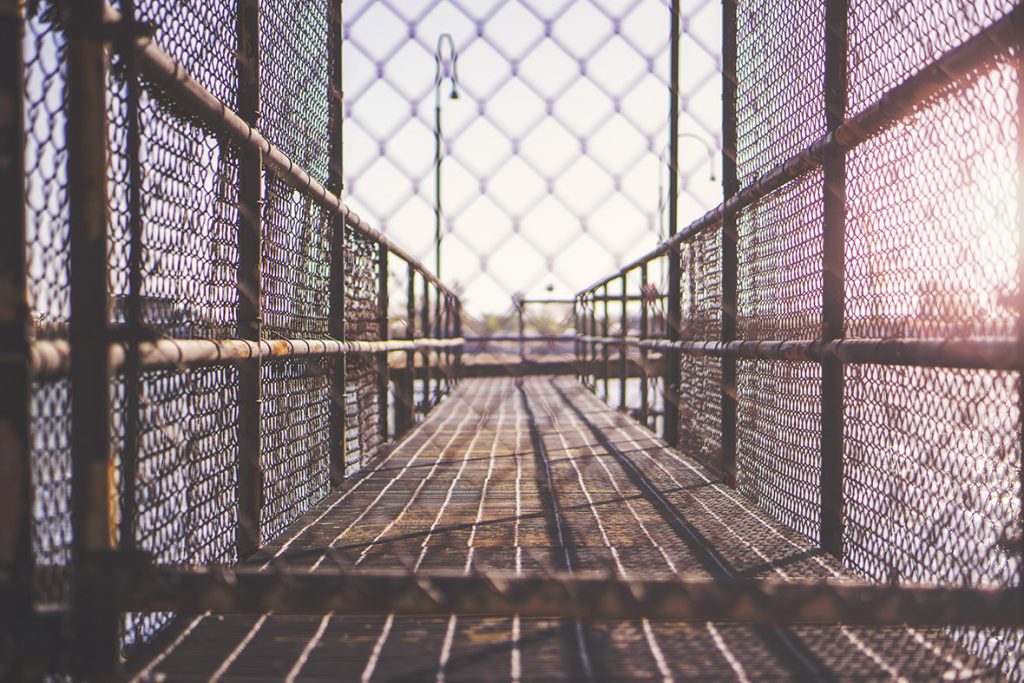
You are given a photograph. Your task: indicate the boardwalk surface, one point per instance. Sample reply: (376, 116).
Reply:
(536, 477)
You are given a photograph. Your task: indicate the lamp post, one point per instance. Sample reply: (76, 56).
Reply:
(661, 165)
(439, 76)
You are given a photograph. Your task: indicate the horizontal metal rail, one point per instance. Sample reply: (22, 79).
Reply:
(577, 595)
(163, 71)
(978, 354)
(892, 106)
(52, 359)
(536, 338)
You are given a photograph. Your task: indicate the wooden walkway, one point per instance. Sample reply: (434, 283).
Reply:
(534, 477)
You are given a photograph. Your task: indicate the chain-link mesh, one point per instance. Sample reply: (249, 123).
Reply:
(362, 322)
(48, 268)
(551, 153)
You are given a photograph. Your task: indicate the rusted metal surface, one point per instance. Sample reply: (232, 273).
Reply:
(894, 105)
(504, 503)
(159, 68)
(833, 290)
(15, 364)
(580, 595)
(52, 359)
(92, 486)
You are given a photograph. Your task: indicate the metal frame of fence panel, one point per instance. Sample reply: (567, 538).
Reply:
(167, 456)
(936, 367)
(15, 361)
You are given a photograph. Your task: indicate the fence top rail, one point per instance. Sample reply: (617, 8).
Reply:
(162, 70)
(892, 106)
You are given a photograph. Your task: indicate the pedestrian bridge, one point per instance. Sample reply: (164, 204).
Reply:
(245, 436)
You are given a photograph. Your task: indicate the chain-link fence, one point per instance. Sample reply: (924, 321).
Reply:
(207, 325)
(847, 349)
(553, 152)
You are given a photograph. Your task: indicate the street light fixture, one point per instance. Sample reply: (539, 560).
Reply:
(439, 75)
(661, 165)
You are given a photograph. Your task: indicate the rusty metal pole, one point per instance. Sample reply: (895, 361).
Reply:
(730, 237)
(15, 363)
(834, 280)
(438, 294)
(250, 286)
(425, 324)
(605, 351)
(336, 276)
(1018, 19)
(593, 344)
(93, 496)
(671, 357)
(644, 407)
(521, 326)
(622, 348)
(383, 371)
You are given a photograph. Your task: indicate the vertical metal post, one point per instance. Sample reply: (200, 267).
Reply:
(383, 371)
(644, 407)
(93, 496)
(593, 344)
(576, 340)
(15, 364)
(671, 356)
(605, 351)
(520, 309)
(458, 334)
(438, 294)
(425, 324)
(250, 286)
(1018, 20)
(336, 275)
(730, 237)
(622, 348)
(834, 281)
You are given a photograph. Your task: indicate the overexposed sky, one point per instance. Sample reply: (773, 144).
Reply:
(551, 171)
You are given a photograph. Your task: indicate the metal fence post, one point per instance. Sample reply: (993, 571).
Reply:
(606, 356)
(425, 354)
(405, 389)
(438, 294)
(622, 349)
(834, 290)
(593, 344)
(383, 371)
(250, 238)
(730, 237)
(336, 275)
(93, 495)
(644, 407)
(674, 303)
(15, 365)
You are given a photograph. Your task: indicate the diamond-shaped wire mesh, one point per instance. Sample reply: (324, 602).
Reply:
(551, 154)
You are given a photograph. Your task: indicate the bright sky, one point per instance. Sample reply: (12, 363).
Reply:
(551, 172)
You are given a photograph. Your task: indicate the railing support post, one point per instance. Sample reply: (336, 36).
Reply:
(93, 496)
(425, 324)
(644, 407)
(15, 364)
(834, 281)
(730, 237)
(336, 275)
(606, 356)
(674, 303)
(250, 238)
(622, 348)
(438, 295)
(383, 371)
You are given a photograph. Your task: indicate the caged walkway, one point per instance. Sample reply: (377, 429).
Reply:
(533, 476)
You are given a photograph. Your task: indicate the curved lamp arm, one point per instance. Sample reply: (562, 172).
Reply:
(439, 74)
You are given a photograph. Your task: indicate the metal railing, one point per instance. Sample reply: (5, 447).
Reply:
(196, 330)
(842, 336)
